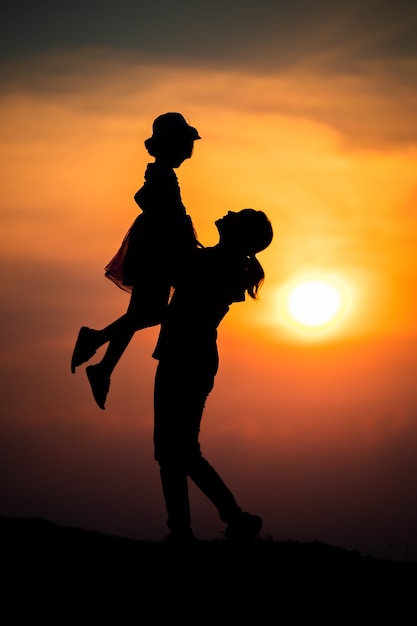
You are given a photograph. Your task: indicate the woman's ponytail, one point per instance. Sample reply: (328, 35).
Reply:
(255, 276)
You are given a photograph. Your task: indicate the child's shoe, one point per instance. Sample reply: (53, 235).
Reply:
(99, 384)
(85, 347)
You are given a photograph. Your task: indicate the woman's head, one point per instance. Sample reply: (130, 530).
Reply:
(245, 234)
(247, 231)
(172, 139)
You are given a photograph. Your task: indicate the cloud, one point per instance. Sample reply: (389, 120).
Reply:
(370, 102)
(262, 34)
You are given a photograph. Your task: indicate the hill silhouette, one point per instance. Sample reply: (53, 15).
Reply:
(102, 573)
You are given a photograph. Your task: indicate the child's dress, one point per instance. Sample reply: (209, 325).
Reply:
(157, 243)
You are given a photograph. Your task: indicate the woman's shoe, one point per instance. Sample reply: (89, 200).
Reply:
(181, 536)
(99, 384)
(244, 529)
(85, 347)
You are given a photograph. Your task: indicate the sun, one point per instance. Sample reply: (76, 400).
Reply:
(314, 303)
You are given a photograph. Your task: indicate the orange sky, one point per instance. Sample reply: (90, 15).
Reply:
(318, 437)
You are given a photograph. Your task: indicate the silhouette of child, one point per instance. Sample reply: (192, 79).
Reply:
(188, 362)
(146, 263)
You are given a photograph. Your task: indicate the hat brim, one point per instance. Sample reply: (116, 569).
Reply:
(193, 132)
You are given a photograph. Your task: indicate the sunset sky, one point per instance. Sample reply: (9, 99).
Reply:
(307, 111)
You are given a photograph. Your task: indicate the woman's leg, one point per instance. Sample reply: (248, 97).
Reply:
(180, 396)
(167, 441)
(209, 482)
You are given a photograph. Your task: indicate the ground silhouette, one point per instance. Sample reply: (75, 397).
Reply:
(46, 565)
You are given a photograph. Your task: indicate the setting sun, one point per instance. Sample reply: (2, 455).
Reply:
(314, 303)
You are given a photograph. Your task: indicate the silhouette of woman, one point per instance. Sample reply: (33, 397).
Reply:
(188, 362)
(145, 265)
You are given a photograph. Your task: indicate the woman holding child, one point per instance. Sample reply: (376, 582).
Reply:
(159, 252)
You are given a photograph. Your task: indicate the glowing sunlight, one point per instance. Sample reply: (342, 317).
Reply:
(314, 303)
(313, 306)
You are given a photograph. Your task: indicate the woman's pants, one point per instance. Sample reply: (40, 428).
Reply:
(181, 390)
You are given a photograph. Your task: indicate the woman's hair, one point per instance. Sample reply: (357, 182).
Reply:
(253, 230)
(254, 276)
(256, 233)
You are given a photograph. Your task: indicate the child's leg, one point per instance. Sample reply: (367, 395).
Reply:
(119, 335)
(89, 340)
(120, 332)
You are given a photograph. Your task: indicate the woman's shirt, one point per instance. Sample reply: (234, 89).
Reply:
(207, 285)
